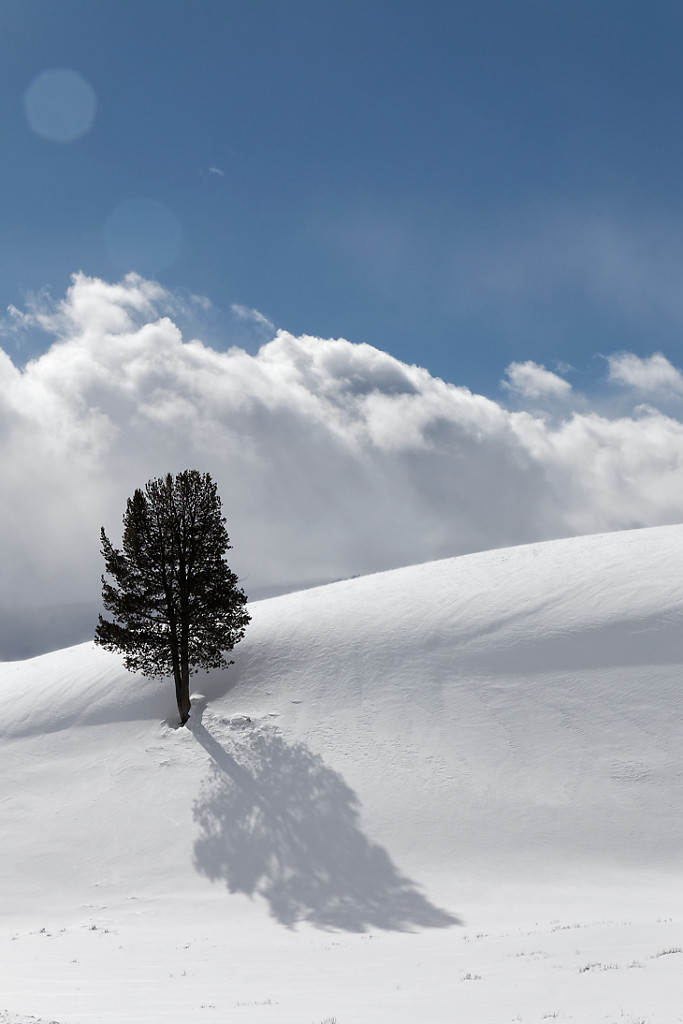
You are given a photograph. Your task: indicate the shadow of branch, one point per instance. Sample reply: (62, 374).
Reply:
(281, 824)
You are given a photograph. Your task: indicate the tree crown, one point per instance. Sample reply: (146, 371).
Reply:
(173, 598)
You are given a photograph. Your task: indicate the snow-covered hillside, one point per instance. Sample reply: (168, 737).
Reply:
(450, 791)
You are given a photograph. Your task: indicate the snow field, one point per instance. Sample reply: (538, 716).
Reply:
(448, 792)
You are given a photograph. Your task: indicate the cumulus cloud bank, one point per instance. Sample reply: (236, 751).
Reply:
(332, 458)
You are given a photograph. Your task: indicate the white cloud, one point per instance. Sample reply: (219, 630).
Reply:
(532, 380)
(245, 313)
(93, 306)
(653, 374)
(332, 458)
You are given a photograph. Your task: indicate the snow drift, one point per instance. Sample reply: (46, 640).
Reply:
(411, 751)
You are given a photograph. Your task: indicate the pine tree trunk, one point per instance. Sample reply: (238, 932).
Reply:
(182, 690)
(181, 674)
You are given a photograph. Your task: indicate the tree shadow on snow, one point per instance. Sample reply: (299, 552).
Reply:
(281, 824)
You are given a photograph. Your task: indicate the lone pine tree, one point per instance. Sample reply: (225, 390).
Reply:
(176, 605)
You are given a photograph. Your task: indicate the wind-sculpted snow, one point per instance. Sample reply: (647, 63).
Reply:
(82, 685)
(454, 785)
(274, 819)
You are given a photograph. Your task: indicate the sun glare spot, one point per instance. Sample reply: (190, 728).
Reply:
(60, 105)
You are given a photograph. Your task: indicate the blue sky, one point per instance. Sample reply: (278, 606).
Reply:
(488, 190)
(462, 185)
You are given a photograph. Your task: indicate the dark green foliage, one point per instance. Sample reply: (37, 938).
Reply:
(176, 605)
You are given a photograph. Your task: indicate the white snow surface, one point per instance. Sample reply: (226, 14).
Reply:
(451, 792)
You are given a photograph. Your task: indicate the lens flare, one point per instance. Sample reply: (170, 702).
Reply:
(60, 105)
